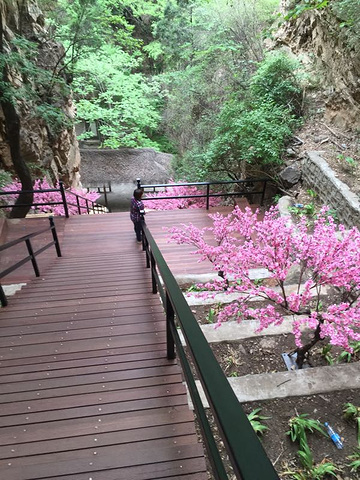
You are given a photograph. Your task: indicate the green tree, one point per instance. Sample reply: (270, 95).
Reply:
(123, 104)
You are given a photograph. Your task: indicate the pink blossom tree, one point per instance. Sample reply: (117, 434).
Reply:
(180, 203)
(45, 197)
(325, 258)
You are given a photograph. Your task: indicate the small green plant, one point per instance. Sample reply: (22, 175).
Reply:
(354, 460)
(276, 198)
(195, 288)
(256, 421)
(308, 209)
(346, 356)
(210, 317)
(311, 193)
(348, 163)
(326, 353)
(300, 424)
(309, 470)
(352, 412)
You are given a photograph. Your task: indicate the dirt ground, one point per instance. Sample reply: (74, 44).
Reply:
(263, 355)
(340, 148)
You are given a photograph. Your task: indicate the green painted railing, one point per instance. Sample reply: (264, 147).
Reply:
(248, 458)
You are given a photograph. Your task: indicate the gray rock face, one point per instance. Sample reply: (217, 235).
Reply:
(121, 168)
(290, 176)
(57, 154)
(124, 165)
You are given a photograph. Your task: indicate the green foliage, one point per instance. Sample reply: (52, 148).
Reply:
(354, 460)
(311, 193)
(326, 353)
(346, 356)
(305, 5)
(256, 421)
(349, 164)
(300, 424)
(311, 471)
(348, 12)
(276, 81)
(210, 317)
(249, 137)
(308, 209)
(40, 87)
(5, 178)
(54, 118)
(352, 412)
(125, 105)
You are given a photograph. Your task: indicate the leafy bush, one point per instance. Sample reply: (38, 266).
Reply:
(251, 133)
(276, 81)
(249, 139)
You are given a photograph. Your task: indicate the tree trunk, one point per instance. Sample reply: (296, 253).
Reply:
(303, 351)
(12, 124)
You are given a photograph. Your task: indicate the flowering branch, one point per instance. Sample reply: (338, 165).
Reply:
(325, 258)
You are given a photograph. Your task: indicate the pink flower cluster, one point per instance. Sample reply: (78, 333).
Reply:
(179, 203)
(303, 264)
(48, 197)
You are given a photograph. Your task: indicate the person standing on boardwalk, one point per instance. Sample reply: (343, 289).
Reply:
(136, 212)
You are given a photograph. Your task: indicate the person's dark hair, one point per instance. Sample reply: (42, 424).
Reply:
(138, 193)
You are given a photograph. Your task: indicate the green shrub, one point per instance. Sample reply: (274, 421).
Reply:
(276, 81)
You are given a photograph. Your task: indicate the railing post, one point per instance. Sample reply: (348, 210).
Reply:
(32, 257)
(207, 196)
(87, 206)
(3, 298)
(63, 197)
(78, 205)
(105, 198)
(170, 317)
(263, 193)
(153, 279)
(138, 183)
(55, 237)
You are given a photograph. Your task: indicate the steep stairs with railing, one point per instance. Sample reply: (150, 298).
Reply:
(86, 388)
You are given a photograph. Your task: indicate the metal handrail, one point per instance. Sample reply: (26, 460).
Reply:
(207, 195)
(95, 207)
(245, 451)
(32, 254)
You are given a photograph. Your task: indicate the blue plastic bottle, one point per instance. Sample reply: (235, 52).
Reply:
(335, 437)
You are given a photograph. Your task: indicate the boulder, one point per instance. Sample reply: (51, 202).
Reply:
(290, 176)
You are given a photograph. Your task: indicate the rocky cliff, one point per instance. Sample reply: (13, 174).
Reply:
(41, 147)
(316, 37)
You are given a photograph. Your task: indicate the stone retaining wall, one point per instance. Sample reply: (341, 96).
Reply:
(317, 174)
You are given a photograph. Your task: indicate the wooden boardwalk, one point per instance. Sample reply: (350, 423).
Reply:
(179, 257)
(86, 390)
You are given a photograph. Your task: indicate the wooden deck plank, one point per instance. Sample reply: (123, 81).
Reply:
(81, 362)
(66, 429)
(83, 357)
(83, 389)
(126, 457)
